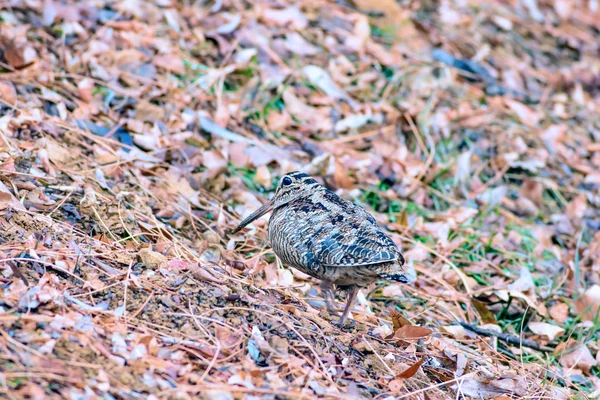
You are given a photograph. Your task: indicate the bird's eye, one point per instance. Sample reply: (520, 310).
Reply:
(287, 181)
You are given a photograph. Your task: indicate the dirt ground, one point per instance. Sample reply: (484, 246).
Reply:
(134, 134)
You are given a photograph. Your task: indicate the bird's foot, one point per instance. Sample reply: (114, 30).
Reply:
(345, 325)
(327, 290)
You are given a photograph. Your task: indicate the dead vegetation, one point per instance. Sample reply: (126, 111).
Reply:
(133, 134)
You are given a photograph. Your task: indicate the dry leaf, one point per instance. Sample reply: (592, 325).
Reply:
(85, 88)
(588, 305)
(411, 371)
(473, 388)
(170, 62)
(548, 330)
(532, 190)
(576, 355)
(559, 312)
(321, 79)
(146, 111)
(411, 332)
(7, 199)
(524, 113)
(296, 43)
(398, 320)
(8, 94)
(20, 55)
(290, 16)
(486, 315)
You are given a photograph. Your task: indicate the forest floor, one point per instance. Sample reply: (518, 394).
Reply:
(134, 135)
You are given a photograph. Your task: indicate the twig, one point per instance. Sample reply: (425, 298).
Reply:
(17, 272)
(508, 338)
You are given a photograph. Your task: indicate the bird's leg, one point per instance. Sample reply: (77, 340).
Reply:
(327, 291)
(351, 294)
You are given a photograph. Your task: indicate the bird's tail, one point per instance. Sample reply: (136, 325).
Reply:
(395, 277)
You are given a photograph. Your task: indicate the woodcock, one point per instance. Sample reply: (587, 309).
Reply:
(329, 238)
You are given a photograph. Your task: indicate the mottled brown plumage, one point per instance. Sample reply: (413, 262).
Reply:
(315, 231)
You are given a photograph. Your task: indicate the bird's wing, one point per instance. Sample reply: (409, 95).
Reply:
(351, 238)
(355, 256)
(373, 249)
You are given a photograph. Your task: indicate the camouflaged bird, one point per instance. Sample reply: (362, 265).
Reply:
(332, 239)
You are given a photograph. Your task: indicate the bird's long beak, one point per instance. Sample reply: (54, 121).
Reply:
(254, 216)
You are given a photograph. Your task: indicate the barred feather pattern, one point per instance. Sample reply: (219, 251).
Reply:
(331, 238)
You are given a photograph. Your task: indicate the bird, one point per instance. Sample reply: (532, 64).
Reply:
(332, 239)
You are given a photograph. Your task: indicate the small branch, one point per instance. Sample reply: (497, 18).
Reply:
(508, 338)
(17, 272)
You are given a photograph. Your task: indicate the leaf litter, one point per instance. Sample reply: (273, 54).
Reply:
(134, 135)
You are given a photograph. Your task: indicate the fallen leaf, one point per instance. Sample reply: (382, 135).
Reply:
(411, 371)
(524, 113)
(296, 43)
(548, 330)
(486, 315)
(232, 24)
(559, 312)
(8, 94)
(20, 55)
(576, 355)
(321, 79)
(85, 88)
(398, 320)
(360, 33)
(576, 208)
(291, 17)
(411, 332)
(170, 62)
(340, 175)
(7, 199)
(524, 283)
(471, 387)
(532, 190)
(588, 305)
(146, 111)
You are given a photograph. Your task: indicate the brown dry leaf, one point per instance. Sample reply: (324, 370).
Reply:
(532, 190)
(321, 79)
(279, 121)
(588, 305)
(576, 208)
(411, 371)
(593, 178)
(575, 355)
(340, 175)
(170, 62)
(296, 43)
(559, 312)
(7, 199)
(411, 332)
(476, 389)
(152, 259)
(523, 112)
(486, 315)
(360, 34)
(8, 94)
(146, 111)
(7, 167)
(20, 55)
(85, 88)
(263, 177)
(290, 17)
(548, 330)
(398, 320)
(397, 20)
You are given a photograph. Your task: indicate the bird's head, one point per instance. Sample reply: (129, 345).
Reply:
(291, 186)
